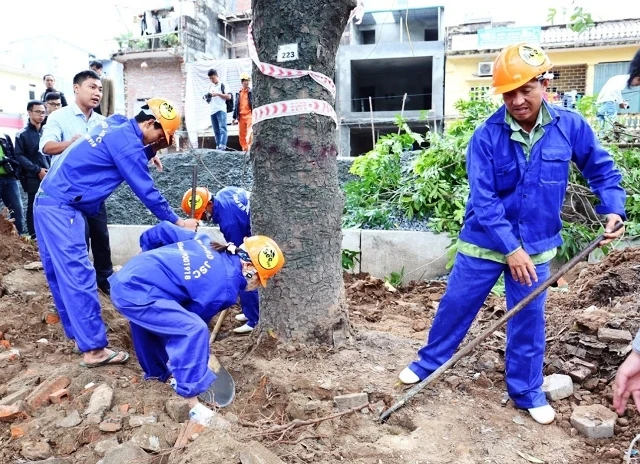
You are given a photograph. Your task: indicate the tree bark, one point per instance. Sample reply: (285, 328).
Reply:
(296, 196)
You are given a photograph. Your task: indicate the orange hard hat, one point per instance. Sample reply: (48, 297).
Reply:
(167, 115)
(265, 255)
(516, 65)
(203, 198)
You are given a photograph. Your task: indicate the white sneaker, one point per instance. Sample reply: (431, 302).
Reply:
(543, 414)
(243, 329)
(408, 377)
(201, 414)
(241, 318)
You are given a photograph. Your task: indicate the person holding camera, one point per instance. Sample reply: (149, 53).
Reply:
(217, 98)
(9, 175)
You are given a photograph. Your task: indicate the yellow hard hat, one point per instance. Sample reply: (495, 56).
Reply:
(167, 115)
(265, 255)
(518, 64)
(245, 76)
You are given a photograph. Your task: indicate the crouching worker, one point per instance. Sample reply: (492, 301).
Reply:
(171, 291)
(88, 171)
(229, 208)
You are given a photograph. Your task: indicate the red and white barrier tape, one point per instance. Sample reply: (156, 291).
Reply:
(302, 106)
(293, 108)
(284, 73)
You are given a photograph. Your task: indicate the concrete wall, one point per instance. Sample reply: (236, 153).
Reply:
(423, 255)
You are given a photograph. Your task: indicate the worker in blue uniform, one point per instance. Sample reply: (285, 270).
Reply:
(229, 208)
(170, 292)
(518, 164)
(117, 150)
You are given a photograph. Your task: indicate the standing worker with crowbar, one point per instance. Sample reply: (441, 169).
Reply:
(518, 164)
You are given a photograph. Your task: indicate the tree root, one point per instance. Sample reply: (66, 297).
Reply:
(285, 428)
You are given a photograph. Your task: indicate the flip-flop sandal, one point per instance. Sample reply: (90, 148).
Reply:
(109, 361)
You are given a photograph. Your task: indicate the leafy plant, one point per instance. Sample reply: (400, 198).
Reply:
(579, 20)
(587, 106)
(396, 278)
(170, 40)
(433, 186)
(349, 259)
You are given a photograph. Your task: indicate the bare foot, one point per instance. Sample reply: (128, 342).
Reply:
(98, 356)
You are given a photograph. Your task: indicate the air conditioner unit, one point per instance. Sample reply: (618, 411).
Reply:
(485, 68)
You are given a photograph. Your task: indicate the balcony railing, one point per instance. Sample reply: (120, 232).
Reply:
(149, 42)
(414, 102)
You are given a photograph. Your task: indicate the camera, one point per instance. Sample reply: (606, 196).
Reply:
(207, 97)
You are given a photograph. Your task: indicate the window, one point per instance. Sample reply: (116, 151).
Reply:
(479, 92)
(431, 35)
(369, 37)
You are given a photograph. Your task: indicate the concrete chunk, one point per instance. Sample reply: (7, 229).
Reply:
(177, 409)
(614, 335)
(14, 397)
(139, 421)
(595, 421)
(557, 387)
(580, 373)
(71, 420)
(126, 452)
(352, 400)
(100, 401)
(255, 453)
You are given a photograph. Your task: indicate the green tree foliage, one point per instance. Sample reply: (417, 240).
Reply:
(577, 18)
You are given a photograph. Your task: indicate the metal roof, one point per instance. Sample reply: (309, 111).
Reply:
(418, 15)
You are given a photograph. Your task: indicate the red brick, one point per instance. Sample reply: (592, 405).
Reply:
(20, 430)
(40, 395)
(14, 412)
(59, 396)
(187, 430)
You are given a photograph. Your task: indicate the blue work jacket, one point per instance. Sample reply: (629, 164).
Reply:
(231, 213)
(94, 166)
(181, 265)
(515, 201)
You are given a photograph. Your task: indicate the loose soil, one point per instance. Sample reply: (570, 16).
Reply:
(460, 419)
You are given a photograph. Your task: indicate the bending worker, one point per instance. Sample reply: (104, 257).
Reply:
(117, 150)
(518, 163)
(170, 292)
(229, 208)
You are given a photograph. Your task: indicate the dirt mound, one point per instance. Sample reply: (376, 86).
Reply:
(616, 276)
(14, 250)
(286, 398)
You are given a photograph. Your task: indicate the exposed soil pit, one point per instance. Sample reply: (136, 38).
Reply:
(284, 409)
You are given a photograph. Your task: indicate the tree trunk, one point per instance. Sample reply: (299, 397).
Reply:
(296, 197)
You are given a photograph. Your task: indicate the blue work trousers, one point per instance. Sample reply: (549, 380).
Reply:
(63, 251)
(469, 284)
(250, 304)
(167, 339)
